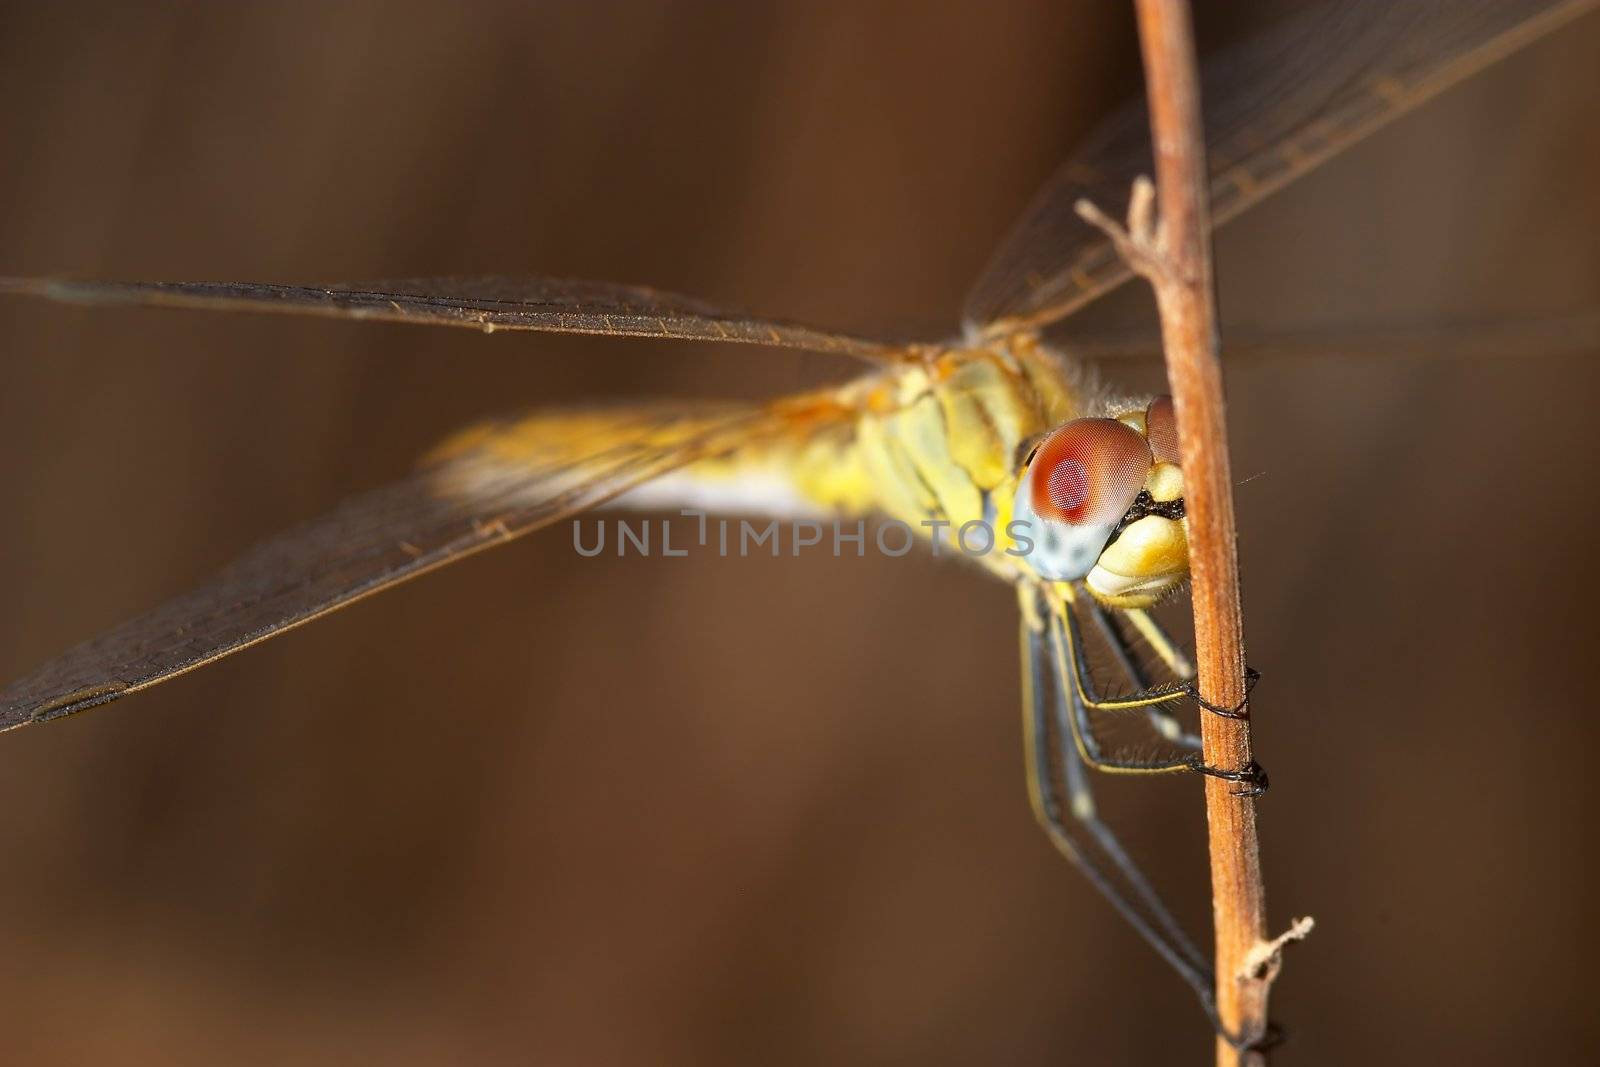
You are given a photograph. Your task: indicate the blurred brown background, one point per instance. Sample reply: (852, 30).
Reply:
(544, 809)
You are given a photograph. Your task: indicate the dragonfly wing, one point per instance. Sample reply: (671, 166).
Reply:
(551, 305)
(1501, 337)
(1276, 106)
(486, 488)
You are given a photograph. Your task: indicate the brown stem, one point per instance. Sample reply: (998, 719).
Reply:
(1180, 270)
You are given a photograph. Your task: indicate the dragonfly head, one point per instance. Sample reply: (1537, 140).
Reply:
(1103, 503)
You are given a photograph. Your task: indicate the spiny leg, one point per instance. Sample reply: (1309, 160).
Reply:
(1072, 673)
(1177, 662)
(1158, 928)
(1253, 776)
(1161, 717)
(1169, 652)
(1066, 644)
(1156, 636)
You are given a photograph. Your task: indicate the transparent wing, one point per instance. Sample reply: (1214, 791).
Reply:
(552, 305)
(1572, 333)
(492, 484)
(1276, 107)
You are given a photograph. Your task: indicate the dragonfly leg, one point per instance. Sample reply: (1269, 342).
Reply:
(1133, 896)
(1161, 717)
(1074, 677)
(1252, 776)
(1078, 833)
(1240, 710)
(1165, 647)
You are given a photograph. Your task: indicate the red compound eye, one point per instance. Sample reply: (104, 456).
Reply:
(1161, 429)
(1088, 472)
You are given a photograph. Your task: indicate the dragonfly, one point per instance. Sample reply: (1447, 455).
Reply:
(1080, 486)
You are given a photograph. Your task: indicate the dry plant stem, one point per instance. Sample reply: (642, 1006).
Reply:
(1174, 253)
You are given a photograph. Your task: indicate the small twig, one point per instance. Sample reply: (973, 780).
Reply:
(1139, 242)
(1172, 251)
(1265, 958)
